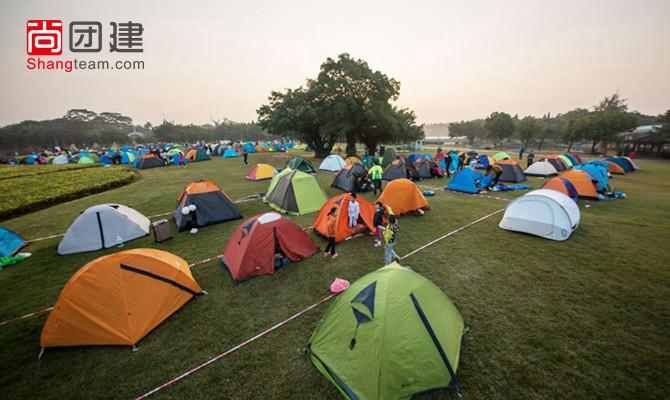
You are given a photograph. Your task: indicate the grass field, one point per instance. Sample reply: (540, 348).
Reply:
(586, 318)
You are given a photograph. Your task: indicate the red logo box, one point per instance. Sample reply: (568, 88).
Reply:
(45, 37)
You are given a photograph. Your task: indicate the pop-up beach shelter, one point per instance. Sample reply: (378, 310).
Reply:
(332, 163)
(545, 213)
(99, 226)
(391, 334)
(119, 298)
(403, 197)
(252, 247)
(295, 192)
(342, 229)
(212, 206)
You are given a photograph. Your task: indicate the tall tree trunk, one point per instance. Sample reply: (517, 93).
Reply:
(541, 143)
(351, 145)
(593, 147)
(570, 146)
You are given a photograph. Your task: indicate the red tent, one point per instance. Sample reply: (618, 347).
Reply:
(262, 242)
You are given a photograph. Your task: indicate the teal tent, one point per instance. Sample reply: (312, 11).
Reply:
(391, 334)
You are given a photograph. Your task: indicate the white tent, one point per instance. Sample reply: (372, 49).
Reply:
(541, 168)
(630, 160)
(546, 213)
(62, 159)
(332, 163)
(98, 228)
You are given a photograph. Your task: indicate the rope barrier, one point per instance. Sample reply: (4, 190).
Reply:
(27, 316)
(184, 375)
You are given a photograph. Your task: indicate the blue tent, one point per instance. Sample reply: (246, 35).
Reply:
(427, 156)
(175, 159)
(105, 159)
(249, 148)
(10, 242)
(231, 153)
(31, 160)
(466, 180)
(452, 159)
(571, 158)
(278, 147)
(413, 157)
(622, 163)
(598, 171)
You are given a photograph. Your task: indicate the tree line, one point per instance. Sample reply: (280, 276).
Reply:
(609, 118)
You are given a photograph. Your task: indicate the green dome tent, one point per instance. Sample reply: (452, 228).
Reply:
(301, 164)
(501, 156)
(85, 160)
(391, 334)
(295, 192)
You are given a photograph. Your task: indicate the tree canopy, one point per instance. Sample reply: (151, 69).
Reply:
(499, 126)
(347, 100)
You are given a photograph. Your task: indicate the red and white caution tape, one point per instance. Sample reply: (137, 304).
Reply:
(32, 314)
(477, 195)
(204, 261)
(45, 238)
(265, 332)
(451, 233)
(159, 215)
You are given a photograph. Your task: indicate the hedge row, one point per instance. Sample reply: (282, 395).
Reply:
(23, 194)
(16, 171)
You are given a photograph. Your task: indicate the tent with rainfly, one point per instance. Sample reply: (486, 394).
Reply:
(466, 180)
(301, 164)
(252, 247)
(511, 171)
(583, 181)
(562, 185)
(332, 163)
(212, 206)
(194, 155)
(346, 177)
(403, 197)
(541, 168)
(119, 298)
(295, 192)
(260, 172)
(342, 229)
(421, 330)
(501, 156)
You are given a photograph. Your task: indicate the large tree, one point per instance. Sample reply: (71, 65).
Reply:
(499, 126)
(347, 100)
(472, 130)
(530, 128)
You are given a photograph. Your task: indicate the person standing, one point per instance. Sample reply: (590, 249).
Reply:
(391, 236)
(521, 149)
(376, 173)
(331, 231)
(182, 162)
(354, 210)
(531, 158)
(377, 222)
(461, 161)
(244, 156)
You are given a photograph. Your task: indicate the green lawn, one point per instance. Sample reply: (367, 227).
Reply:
(586, 318)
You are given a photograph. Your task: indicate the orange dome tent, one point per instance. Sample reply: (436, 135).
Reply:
(403, 197)
(119, 298)
(613, 168)
(343, 230)
(586, 188)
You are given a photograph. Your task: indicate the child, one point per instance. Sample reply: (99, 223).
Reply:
(332, 221)
(354, 209)
(391, 235)
(378, 221)
(182, 162)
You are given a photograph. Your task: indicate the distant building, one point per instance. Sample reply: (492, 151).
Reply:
(643, 141)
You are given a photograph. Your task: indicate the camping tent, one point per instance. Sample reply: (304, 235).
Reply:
(600, 172)
(346, 178)
(342, 229)
(196, 155)
(369, 161)
(99, 226)
(562, 185)
(252, 248)
(353, 160)
(395, 170)
(148, 161)
(427, 168)
(301, 164)
(249, 148)
(614, 168)
(466, 180)
(501, 156)
(583, 181)
(545, 213)
(622, 163)
(119, 298)
(484, 161)
(558, 163)
(541, 168)
(403, 197)
(391, 334)
(413, 157)
(10, 242)
(212, 206)
(86, 160)
(512, 172)
(260, 172)
(632, 163)
(332, 163)
(230, 153)
(295, 192)
(388, 157)
(62, 159)
(568, 163)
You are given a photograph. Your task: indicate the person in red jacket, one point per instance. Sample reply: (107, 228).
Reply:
(331, 231)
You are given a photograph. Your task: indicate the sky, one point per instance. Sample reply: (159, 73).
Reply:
(455, 60)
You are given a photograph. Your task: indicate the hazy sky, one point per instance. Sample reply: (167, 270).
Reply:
(456, 60)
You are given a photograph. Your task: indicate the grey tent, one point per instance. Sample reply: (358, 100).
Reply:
(98, 227)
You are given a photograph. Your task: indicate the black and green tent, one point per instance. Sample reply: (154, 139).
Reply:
(295, 192)
(301, 164)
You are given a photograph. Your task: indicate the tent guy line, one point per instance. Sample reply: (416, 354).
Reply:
(298, 314)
